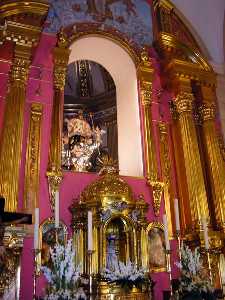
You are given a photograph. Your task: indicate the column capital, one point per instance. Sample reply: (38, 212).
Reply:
(22, 34)
(145, 74)
(184, 102)
(207, 112)
(146, 93)
(19, 71)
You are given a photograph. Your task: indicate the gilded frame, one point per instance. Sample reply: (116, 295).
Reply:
(49, 223)
(150, 227)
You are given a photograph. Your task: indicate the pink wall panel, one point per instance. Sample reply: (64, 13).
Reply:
(40, 89)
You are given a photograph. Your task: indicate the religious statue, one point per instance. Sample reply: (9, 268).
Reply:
(111, 255)
(80, 142)
(156, 249)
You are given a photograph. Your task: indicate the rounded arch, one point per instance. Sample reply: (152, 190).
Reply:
(123, 71)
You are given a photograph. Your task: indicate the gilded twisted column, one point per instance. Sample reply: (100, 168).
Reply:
(145, 72)
(11, 143)
(194, 173)
(60, 56)
(215, 161)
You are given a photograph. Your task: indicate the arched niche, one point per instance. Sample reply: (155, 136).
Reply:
(123, 71)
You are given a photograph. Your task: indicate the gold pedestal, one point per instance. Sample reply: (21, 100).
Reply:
(108, 291)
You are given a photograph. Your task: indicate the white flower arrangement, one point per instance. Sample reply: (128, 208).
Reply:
(194, 277)
(63, 276)
(127, 275)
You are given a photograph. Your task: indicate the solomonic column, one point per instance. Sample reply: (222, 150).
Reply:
(195, 180)
(11, 143)
(60, 57)
(215, 161)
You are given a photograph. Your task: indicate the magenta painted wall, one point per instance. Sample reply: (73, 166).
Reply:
(40, 89)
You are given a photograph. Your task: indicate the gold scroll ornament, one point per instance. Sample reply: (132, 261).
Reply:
(31, 190)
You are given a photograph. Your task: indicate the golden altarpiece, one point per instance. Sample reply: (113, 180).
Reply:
(119, 220)
(118, 217)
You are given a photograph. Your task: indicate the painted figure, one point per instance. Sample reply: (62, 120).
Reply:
(102, 7)
(111, 256)
(156, 248)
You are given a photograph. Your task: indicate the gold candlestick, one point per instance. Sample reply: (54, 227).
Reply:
(35, 273)
(179, 242)
(208, 251)
(90, 254)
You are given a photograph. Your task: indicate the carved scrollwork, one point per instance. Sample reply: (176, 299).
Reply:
(10, 257)
(59, 77)
(157, 189)
(54, 180)
(33, 157)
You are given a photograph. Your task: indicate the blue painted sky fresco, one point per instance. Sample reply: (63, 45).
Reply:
(132, 18)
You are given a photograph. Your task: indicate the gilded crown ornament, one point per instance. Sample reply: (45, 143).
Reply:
(108, 165)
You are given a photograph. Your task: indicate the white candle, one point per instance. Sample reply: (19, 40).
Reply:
(205, 232)
(177, 216)
(90, 237)
(166, 232)
(57, 209)
(36, 228)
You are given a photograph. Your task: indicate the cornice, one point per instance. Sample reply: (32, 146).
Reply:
(10, 7)
(173, 47)
(191, 71)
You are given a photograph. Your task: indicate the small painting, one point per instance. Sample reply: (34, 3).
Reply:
(48, 238)
(156, 250)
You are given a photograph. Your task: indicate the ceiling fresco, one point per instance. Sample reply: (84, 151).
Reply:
(131, 18)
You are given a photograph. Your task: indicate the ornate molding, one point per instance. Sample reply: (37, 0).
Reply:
(13, 243)
(155, 224)
(33, 158)
(145, 74)
(22, 34)
(35, 9)
(146, 93)
(185, 70)
(184, 102)
(19, 71)
(207, 112)
(132, 50)
(55, 178)
(59, 77)
(157, 189)
(61, 56)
